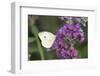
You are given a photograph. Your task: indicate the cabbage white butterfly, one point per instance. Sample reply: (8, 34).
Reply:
(47, 38)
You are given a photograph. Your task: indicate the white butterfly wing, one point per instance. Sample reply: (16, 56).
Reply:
(47, 39)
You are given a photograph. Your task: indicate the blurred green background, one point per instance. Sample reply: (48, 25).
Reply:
(38, 23)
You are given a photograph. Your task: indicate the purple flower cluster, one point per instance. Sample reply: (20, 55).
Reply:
(72, 33)
(68, 53)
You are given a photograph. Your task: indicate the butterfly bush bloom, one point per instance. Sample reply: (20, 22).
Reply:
(68, 53)
(71, 19)
(74, 32)
(71, 32)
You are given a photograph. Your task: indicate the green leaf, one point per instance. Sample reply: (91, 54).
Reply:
(85, 19)
(31, 39)
(32, 49)
(69, 21)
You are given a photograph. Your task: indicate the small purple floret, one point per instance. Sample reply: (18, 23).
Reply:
(69, 53)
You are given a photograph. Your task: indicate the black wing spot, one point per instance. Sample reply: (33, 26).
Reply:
(44, 36)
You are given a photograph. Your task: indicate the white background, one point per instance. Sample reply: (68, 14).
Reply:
(5, 36)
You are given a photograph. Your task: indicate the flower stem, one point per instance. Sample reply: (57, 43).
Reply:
(40, 49)
(35, 32)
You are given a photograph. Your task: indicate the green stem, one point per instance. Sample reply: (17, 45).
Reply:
(35, 32)
(40, 48)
